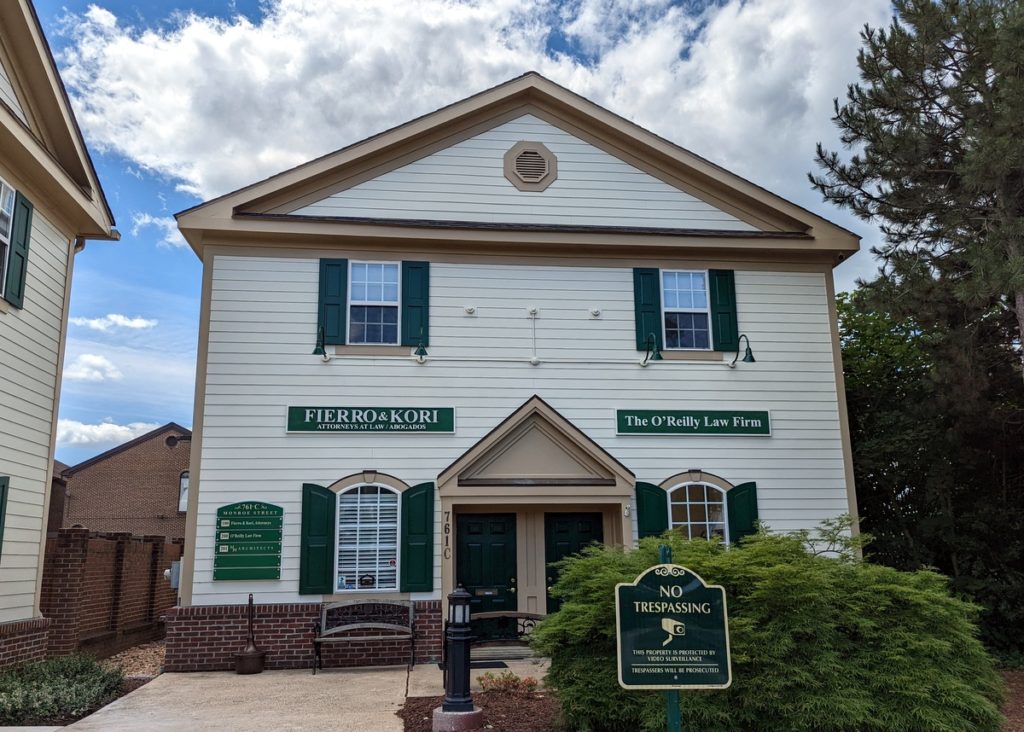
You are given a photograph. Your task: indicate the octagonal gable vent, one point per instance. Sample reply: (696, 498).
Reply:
(530, 166)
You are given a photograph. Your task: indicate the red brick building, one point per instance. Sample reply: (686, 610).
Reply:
(139, 487)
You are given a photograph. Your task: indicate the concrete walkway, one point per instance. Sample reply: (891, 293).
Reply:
(360, 700)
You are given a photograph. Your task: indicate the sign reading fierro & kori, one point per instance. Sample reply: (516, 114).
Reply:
(371, 419)
(691, 422)
(248, 545)
(672, 631)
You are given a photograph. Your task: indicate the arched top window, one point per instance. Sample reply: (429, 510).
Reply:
(367, 547)
(698, 510)
(183, 492)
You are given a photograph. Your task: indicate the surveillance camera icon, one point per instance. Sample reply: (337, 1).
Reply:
(674, 628)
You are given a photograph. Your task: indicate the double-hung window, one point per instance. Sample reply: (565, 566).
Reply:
(368, 530)
(6, 228)
(686, 317)
(373, 303)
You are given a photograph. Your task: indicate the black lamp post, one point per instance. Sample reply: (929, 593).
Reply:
(458, 636)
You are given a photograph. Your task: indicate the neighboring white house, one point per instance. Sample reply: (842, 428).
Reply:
(467, 346)
(50, 203)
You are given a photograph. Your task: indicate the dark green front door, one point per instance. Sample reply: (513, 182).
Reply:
(565, 534)
(485, 564)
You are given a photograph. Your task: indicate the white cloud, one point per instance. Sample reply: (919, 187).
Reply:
(71, 433)
(166, 224)
(114, 320)
(92, 367)
(216, 104)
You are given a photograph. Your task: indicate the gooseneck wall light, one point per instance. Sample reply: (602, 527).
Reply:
(653, 352)
(748, 355)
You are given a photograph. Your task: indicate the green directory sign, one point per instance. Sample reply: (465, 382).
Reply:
(248, 541)
(691, 422)
(371, 419)
(673, 631)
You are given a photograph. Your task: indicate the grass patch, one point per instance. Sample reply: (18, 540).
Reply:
(56, 691)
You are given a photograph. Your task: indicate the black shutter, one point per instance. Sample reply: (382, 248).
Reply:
(333, 305)
(724, 329)
(417, 546)
(5, 484)
(741, 502)
(647, 306)
(316, 552)
(415, 303)
(17, 252)
(651, 510)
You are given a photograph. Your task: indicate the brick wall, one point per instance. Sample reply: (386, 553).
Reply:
(105, 592)
(132, 488)
(22, 641)
(207, 638)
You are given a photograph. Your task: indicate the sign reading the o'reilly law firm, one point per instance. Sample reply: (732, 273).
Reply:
(248, 542)
(371, 419)
(691, 422)
(672, 631)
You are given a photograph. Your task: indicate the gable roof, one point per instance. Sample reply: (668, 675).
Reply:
(591, 457)
(267, 206)
(45, 136)
(169, 427)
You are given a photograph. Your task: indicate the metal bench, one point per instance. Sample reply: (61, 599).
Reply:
(347, 621)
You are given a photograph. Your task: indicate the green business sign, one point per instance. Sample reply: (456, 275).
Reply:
(673, 631)
(248, 541)
(691, 422)
(371, 419)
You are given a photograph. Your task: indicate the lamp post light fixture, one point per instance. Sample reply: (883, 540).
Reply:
(748, 355)
(653, 351)
(458, 636)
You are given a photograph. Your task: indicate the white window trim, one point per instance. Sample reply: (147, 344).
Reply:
(5, 243)
(351, 302)
(184, 474)
(706, 310)
(398, 541)
(725, 505)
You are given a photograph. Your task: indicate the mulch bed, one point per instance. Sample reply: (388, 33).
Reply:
(1014, 708)
(502, 712)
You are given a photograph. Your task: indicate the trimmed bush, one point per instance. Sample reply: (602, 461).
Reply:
(57, 690)
(821, 643)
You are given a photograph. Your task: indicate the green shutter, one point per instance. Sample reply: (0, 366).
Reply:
(647, 306)
(724, 330)
(417, 547)
(319, 527)
(17, 253)
(415, 303)
(5, 484)
(333, 306)
(741, 502)
(651, 510)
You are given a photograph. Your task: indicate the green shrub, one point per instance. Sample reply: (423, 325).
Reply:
(508, 683)
(818, 643)
(58, 689)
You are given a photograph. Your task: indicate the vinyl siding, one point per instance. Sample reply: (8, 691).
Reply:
(8, 97)
(29, 354)
(262, 328)
(466, 182)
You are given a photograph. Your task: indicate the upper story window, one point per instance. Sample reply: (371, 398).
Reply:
(686, 316)
(374, 303)
(6, 225)
(697, 510)
(183, 492)
(367, 538)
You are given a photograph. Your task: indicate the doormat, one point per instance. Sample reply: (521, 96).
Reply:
(488, 664)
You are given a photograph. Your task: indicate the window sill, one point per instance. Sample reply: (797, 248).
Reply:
(371, 350)
(5, 307)
(692, 355)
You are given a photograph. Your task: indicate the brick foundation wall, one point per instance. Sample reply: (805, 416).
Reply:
(22, 641)
(207, 638)
(105, 592)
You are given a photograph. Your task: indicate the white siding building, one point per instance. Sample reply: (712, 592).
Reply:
(466, 347)
(50, 203)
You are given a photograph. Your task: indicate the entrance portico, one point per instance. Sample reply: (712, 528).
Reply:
(534, 480)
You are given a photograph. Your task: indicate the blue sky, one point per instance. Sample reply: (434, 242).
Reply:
(181, 101)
